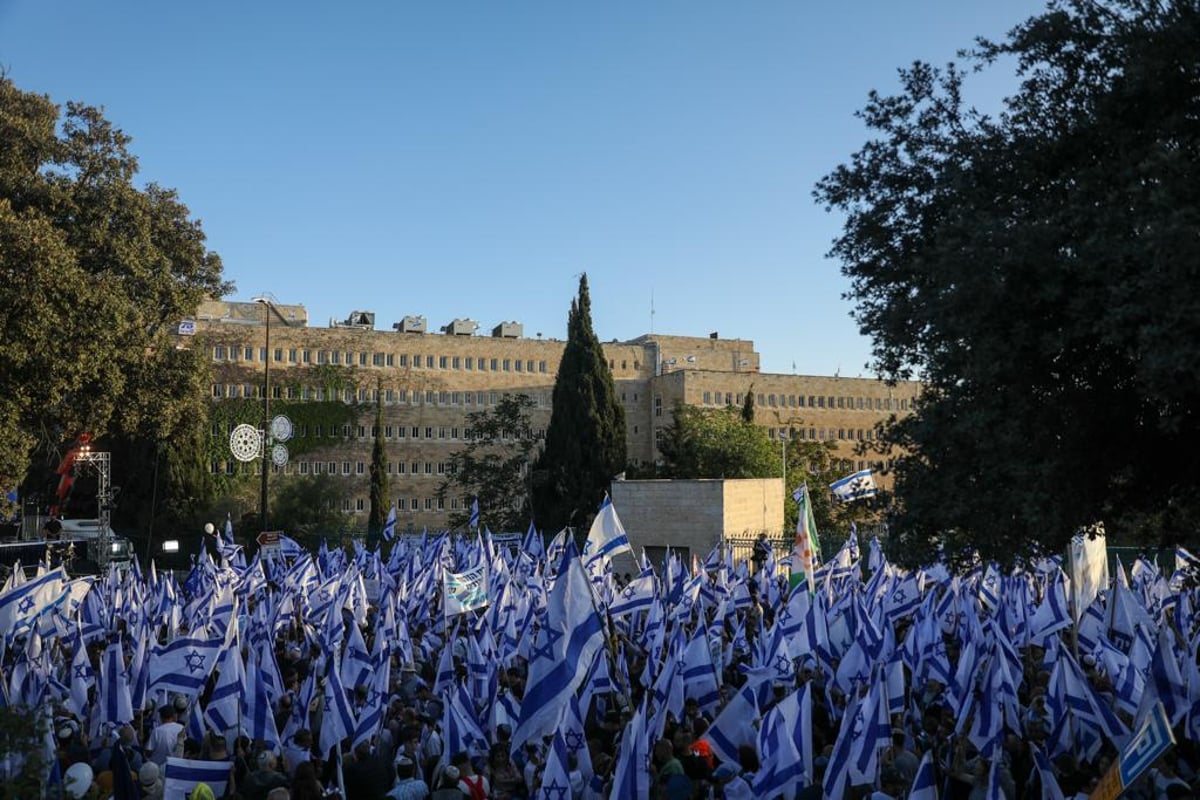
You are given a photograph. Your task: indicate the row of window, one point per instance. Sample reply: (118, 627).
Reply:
(826, 434)
(347, 431)
(768, 400)
(411, 397)
(348, 468)
(351, 358)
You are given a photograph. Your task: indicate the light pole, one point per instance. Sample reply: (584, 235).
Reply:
(266, 426)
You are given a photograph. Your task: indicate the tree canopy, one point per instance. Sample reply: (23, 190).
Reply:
(1038, 271)
(585, 441)
(94, 272)
(716, 443)
(494, 466)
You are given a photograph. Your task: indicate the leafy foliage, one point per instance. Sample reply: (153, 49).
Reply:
(494, 466)
(716, 443)
(379, 477)
(22, 739)
(93, 271)
(307, 507)
(1039, 272)
(585, 442)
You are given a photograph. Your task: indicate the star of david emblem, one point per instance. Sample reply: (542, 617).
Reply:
(899, 596)
(628, 592)
(990, 581)
(195, 661)
(860, 724)
(574, 741)
(554, 790)
(25, 604)
(547, 649)
(782, 665)
(82, 672)
(374, 698)
(686, 603)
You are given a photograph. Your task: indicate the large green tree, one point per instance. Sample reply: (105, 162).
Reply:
(1039, 271)
(716, 443)
(585, 442)
(494, 466)
(94, 271)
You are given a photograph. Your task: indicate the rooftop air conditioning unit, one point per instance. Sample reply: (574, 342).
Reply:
(461, 327)
(508, 330)
(411, 324)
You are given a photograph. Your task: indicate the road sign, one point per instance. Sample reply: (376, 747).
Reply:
(1151, 741)
(268, 542)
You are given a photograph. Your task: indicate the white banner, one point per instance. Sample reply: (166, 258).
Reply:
(466, 591)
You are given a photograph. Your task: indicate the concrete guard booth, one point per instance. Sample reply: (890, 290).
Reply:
(691, 516)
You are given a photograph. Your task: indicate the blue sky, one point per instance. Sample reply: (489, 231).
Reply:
(460, 159)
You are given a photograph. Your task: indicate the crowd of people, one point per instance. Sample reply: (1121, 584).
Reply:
(355, 674)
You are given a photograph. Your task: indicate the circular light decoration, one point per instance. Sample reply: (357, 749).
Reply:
(245, 442)
(281, 428)
(279, 455)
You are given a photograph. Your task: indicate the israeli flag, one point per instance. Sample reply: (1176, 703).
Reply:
(607, 536)
(389, 527)
(473, 522)
(184, 774)
(858, 486)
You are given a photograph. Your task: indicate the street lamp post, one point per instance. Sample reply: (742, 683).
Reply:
(266, 426)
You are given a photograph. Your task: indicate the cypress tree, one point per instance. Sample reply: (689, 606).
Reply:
(748, 406)
(585, 441)
(379, 479)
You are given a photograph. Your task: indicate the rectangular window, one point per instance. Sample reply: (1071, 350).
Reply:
(495, 362)
(429, 362)
(414, 504)
(470, 362)
(443, 361)
(346, 431)
(346, 504)
(332, 468)
(441, 504)
(507, 364)
(219, 352)
(491, 398)
(359, 468)
(443, 398)
(428, 467)
(278, 354)
(761, 399)
(303, 467)
(529, 366)
(841, 402)
(518, 365)
(414, 432)
(416, 361)
(728, 398)
(442, 432)
(441, 468)
(336, 358)
(454, 433)
(456, 398)
(658, 406)
(820, 401)
(429, 432)
(771, 400)
(359, 504)
(250, 354)
(830, 403)
(306, 356)
(707, 398)
(479, 399)
(345, 467)
(430, 397)
(541, 366)
(429, 504)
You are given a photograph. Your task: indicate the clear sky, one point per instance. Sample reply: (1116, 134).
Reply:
(457, 159)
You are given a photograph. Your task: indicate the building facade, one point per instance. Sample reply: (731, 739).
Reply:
(429, 382)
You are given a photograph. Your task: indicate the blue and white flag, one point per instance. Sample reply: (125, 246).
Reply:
(858, 486)
(607, 536)
(338, 721)
(465, 591)
(19, 605)
(556, 775)
(925, 783)
(181, 775)
(115, 705)
(183, 665)
(389, 527)
(636, 596)
(289, 547)
(473, 522)
(571, 637)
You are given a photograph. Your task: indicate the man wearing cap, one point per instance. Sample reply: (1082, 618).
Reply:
(408, 786)
(730, 784)
(150, 781)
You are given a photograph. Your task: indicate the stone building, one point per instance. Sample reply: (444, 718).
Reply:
(429, 382)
